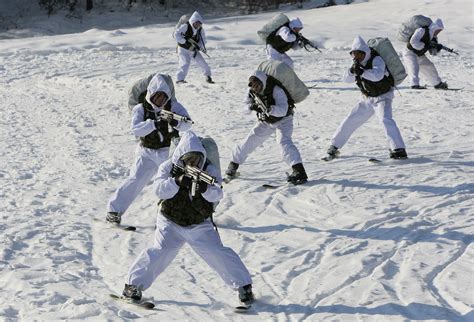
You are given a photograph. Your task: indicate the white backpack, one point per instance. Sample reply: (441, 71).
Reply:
(408, 28)
(271, 26)
(209, 145)
(384, 48)
(212, 151)
(287, 77)
(140, 87)
(182, 20)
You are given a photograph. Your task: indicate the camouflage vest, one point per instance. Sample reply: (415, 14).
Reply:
(161, 137)
(278, 43)
(185, 211)
(373, 89)
(189, 35)
(269, 100)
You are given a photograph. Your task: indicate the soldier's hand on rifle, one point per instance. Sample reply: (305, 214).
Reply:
(356, 69)
(159, 126)
(183, 181)
(254, 107)
(171, 121)
(434, 45)
(176, 171)
(201, 187)
(262, 117)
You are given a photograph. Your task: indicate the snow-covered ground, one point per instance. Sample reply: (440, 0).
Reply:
(359, 241)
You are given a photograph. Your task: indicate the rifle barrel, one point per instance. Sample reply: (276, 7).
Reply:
(450, 50)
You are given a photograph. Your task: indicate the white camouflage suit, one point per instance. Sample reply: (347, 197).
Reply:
(184, 55)
(367, 106)
(147, 160)
(285, 33)
(416, 64)
(262, 130)
(202, 238)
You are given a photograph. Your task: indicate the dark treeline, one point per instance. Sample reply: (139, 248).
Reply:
(244, 6)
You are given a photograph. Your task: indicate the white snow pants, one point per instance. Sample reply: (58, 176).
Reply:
(262, 131)
(275, 55)
(203, 239)
(184, 60)
(416, 64)
(146, 164)
(365, 108)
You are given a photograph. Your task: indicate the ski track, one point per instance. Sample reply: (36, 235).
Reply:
(357, 242)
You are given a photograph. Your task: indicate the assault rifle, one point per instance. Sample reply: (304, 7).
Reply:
(198, 48)
(166, 114)
(197, 175)
(306, 42)
(263, 110)
(449, 50)
(257, 100)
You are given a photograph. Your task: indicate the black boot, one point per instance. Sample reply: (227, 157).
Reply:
(231, 171)
(399, 154)
(298, 176)
(332, 152)
(441, 85)
(209, 80)
(246, 295)
(113, 218)
(132, 292)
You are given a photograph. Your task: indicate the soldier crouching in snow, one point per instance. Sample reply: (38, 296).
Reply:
(185, 217)
(274, 108)
(155, 139)
(284, 39)
(376, 84)
(425, 39)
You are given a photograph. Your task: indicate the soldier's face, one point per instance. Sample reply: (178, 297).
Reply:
(192, 159)
(197, 24)
(256, 86)
(358, 55)
(159, 99)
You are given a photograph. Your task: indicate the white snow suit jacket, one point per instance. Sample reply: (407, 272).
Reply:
(374, 81)
(144, 123)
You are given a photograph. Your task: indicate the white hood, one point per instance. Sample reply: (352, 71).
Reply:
(157, 84)
(262, 77)
(189, 143)
(195, 17)
(434, 26)
(360, 44)
(296, 23)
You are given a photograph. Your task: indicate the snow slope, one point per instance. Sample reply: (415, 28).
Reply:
(359, 241)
